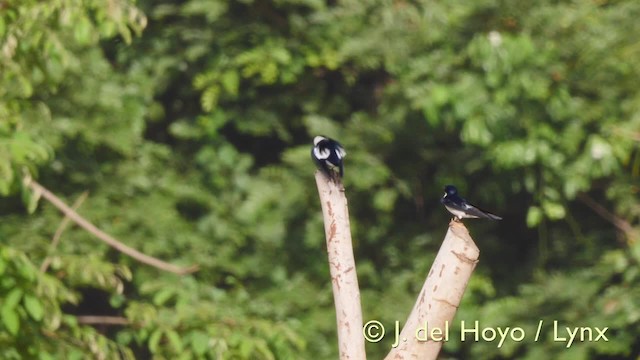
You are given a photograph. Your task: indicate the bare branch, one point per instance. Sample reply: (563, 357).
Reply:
(82, 222)
(618, 222)
(101, 320)
(440, 296)
(63, 225)
(346, 293)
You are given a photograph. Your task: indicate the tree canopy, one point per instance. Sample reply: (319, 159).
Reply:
(189, 124)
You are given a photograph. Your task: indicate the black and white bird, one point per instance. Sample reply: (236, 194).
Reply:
(460, 208)
(328, 154)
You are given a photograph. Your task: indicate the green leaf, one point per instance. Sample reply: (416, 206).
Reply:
(635, 250)
(30, 199)
(209, 98)
(246, 347)
(384, 200)
(534, 216)
(553, 210)
(475, 131)
(13, 298)
(184, 130)
(199, 342)
(262, 348)
(174, 340)
(34, 307)
(231, 82)
(6, 174)
(83, 30)
(162, 296)
(10, 319)
(154, 340)
(44, 355)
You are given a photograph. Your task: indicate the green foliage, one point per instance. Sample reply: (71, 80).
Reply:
(610, 305)
(42, 44)
(189, 322)
(33, 324)
(192, 138)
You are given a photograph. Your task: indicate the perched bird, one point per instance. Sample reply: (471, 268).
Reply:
(460, 208)
(328, 155)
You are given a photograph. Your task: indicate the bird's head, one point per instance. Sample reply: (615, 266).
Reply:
(318, 139)
(450, 190)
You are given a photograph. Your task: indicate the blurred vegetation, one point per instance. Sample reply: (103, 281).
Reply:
(190, 122)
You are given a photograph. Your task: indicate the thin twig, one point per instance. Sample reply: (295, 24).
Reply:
(101, 320)
(82, 222)
(63, 225)
(633, 135)
(618, 222)
(342, 266)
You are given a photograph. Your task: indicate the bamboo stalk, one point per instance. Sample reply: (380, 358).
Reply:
(439, 298)
(346, 293)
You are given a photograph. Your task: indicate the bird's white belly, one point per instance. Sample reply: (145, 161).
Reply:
(460, 214)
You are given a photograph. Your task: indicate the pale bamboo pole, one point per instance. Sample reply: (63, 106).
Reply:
(439, 298)
(342, 266)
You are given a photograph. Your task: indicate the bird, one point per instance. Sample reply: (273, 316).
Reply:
(460, 208)
(328, 154)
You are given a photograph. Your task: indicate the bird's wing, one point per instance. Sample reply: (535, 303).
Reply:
(321, 154)
(474, 211)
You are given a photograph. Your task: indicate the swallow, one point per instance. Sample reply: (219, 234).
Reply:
(328, 155)
(460, 208)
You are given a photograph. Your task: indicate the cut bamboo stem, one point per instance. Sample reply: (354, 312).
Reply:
(439, 298)
(346, 293)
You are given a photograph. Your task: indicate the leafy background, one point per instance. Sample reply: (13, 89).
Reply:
(189, 125)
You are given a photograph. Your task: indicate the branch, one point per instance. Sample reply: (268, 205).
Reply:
(101, 320)
(83, 223)
(618, 222)
(440, 296)
(342, 266)
(63, 225)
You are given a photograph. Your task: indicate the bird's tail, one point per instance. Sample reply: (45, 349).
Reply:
(493, 217)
